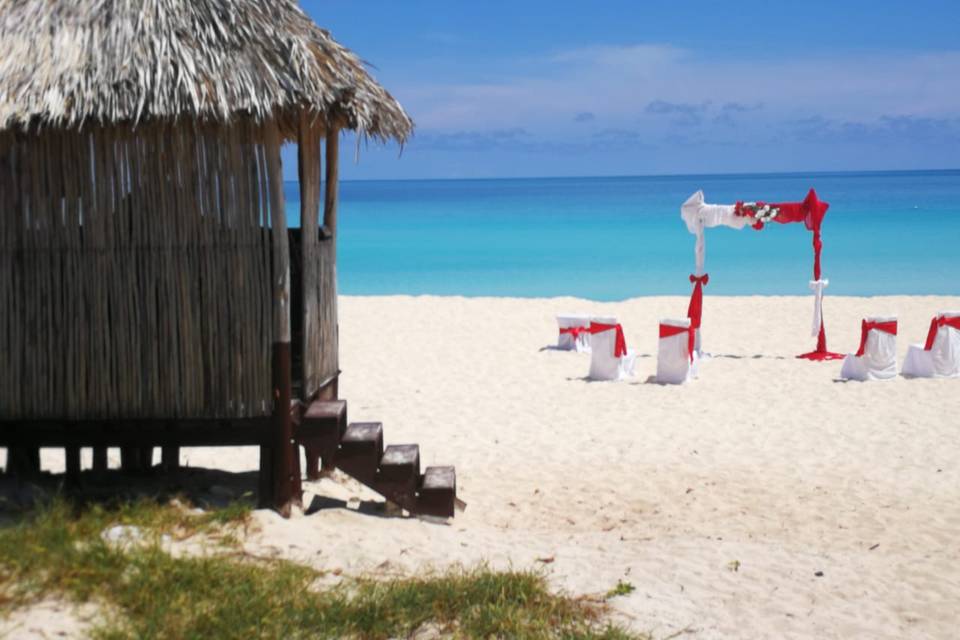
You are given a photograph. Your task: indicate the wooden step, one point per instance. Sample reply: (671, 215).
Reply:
(319, 431)
(323, 417)
(438, 492)
(361, 449)
(400, 474)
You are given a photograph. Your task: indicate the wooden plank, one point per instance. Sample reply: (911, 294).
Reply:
(136, 433)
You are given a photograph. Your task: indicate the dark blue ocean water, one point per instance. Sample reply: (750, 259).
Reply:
(616, 238)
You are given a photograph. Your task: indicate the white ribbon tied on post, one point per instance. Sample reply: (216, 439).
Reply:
(699, 215)
(817, 286)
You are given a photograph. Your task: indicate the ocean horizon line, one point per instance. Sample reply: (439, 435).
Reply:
(643, 296)
(746, 174)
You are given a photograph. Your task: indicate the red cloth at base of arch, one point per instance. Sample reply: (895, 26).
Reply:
(695, 309)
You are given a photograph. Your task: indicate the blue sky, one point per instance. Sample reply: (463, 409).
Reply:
(513, 89)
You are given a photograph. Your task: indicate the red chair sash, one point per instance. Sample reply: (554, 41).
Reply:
(669, 330)
(935, 325)
(620, 347)
(695, 310)
(574, 331)
(866, 327)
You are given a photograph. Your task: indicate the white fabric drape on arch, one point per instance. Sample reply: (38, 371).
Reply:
(699, 215)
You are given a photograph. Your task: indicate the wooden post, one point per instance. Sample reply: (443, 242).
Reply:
(308, 147)
(170, 458)
(330, 390)
(129, 459)
(146, 458)
(100, 460)
(286, 465)
(265, 497)
(330, 194)
(72, 455)
(331, 367)
(23, 462)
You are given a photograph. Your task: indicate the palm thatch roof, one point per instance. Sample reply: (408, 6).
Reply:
(69, 62)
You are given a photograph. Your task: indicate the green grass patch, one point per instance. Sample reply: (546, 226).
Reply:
(622, 589)
(149, 593)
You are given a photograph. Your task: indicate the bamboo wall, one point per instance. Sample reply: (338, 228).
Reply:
(135, 273)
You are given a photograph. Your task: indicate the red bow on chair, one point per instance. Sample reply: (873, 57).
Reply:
(866, 327)
(669, 330)
(620, 347)
(935, 325)
(574, 331)
(695, 310)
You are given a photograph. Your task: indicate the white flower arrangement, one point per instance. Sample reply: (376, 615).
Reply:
(761, 212)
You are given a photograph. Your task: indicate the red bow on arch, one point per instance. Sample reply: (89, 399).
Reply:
(695, 310)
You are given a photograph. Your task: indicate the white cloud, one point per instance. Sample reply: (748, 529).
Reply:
(616, 83)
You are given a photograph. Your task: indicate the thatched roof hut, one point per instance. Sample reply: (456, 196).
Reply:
(145, 260)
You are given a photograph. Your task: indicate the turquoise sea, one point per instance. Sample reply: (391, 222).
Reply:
(617, 238)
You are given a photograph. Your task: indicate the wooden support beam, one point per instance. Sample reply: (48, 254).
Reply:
(130, 459)
(134, 433)
(100, 459)
(309, 173)
(331, 187)
(72, 456)
(286, 471)
(170, 458)
(331, 358)
(308, 146)
(265, 490)
(146, 458)
(23, 461)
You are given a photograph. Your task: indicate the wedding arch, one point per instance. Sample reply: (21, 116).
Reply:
(699, 215)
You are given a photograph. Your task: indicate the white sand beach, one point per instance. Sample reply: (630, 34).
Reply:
(765, 499)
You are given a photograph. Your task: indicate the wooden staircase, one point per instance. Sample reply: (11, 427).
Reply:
(357, 449)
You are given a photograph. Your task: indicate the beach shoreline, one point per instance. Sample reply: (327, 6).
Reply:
(765, 499)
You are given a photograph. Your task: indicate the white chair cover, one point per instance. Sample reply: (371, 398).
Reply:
(879, 359)
(565, 340)
(673, 359)
(943, 359)
(604, 364)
